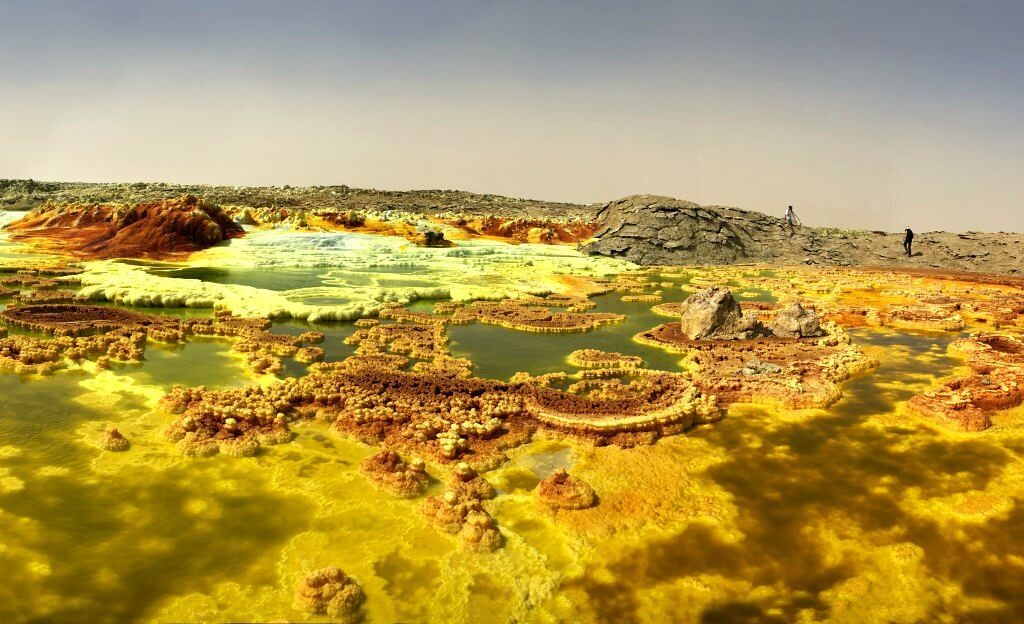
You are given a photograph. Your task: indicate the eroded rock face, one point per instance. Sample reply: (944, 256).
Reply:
(793, 321)
(649, 229)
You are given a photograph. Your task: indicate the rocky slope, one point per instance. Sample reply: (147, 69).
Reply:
(643, 228)
(651, 230)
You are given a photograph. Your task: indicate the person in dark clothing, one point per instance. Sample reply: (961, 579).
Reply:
(908, 238)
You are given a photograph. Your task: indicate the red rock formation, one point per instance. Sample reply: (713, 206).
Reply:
(162, 229)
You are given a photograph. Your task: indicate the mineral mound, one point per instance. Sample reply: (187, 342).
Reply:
(157, 230)
(563, 491)
(329, 591)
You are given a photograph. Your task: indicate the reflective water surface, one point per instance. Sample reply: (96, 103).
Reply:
(857, 513)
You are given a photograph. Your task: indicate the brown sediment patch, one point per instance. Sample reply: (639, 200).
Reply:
(159, 230)
(673, 309)
(75, 320)
(662, 403)
(524, 317)
(396, 312)
(419, 341)
(996, 361)
(789, 372)
(435, 411)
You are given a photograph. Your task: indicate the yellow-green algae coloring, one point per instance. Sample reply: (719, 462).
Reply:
(856, 511)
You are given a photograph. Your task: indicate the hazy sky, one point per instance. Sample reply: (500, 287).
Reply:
(869, 114)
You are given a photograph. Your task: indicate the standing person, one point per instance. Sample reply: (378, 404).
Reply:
(908, 238)
(791, 218)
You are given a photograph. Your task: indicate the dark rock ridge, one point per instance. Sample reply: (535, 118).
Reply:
(653, 230)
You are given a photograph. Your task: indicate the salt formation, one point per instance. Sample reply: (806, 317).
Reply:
(996, 361)
(560, 490)
(331, 592)
(112, 440)
(387, 470)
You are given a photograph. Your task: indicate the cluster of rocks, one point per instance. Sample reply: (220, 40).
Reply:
(713, 314)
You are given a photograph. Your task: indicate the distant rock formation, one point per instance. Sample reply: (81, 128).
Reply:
(159, 229)
(646, 229)
(653, 230)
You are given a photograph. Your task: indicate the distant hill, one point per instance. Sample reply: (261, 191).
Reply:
(28, 194)
(646, 229)
(651, 230)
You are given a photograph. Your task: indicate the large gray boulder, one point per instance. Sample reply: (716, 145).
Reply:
(712, 313)
(648, 229)
(794, 321)
(708, 311)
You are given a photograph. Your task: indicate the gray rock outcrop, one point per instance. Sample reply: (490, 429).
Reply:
(714, 314)
(794, 321)
(654, 230)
